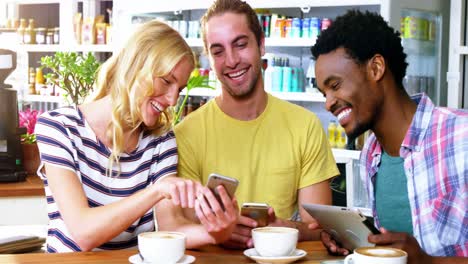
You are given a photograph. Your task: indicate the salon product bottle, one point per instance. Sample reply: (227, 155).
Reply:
(294, 80)
(287, 76)
(277, 76)
(300, 80)
(269, 71)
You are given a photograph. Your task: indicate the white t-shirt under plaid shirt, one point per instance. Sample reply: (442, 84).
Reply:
(66, 140)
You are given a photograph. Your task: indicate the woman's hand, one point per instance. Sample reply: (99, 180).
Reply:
(219, 223)
(181, 192)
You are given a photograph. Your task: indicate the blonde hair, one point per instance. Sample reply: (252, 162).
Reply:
(152, 51)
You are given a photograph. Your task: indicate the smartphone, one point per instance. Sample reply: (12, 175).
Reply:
(256, 211)
(230, 184)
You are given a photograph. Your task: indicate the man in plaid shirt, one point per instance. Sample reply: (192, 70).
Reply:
(415, 164)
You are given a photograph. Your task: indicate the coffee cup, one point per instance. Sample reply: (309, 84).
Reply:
(161, 247)
(377, 255)
(275, 241)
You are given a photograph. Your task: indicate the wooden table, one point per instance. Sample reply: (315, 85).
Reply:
(207, 255)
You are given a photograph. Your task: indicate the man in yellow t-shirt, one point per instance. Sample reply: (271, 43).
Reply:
(277, 150)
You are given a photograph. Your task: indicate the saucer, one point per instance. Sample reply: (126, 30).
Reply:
(136, 259)
(297, 254)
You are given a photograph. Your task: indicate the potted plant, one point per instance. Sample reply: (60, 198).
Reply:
(73, 72)
(31, 159)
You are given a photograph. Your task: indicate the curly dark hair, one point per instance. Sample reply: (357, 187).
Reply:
(363, 35)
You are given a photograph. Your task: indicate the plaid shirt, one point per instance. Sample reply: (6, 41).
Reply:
(435, 153)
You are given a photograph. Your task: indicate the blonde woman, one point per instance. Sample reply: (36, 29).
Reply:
(107, 163)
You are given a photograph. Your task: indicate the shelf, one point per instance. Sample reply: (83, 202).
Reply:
(43, 98)
(463, 50)
(414, 46)
(300, 97)
(201, 92)
(55, 48)
(344, 155)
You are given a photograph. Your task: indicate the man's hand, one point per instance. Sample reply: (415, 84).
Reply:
(219, 223)
(333, 247)
(402, 241)
(241, 237)
(306, 230)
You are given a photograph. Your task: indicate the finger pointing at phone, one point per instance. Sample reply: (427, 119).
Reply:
(181, 192)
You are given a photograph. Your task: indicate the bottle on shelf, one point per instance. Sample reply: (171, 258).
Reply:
(49, 40)
(189, 106)
(332, 129)
(268, 74)
(8, 23)
(41, 35)
(300, 79)
(341, 138)
(202, 102)
(295, 79)
(101, 33)
(32, 81)
(40, 81)
(21, 30)
(16, 23)
(77, 27)
(310, 77)
(30, 33)
(39, 76)
(277, 83)
(56, 35)
(287, 76)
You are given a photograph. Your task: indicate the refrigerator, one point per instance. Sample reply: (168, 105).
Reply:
(424, 27)
(420, 33)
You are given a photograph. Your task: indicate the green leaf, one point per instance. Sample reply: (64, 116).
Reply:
(200, 81)
(73, 72)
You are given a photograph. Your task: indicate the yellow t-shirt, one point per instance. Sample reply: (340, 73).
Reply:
(283, 150)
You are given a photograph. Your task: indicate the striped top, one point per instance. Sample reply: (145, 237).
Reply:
(66, 140)
(435, 154)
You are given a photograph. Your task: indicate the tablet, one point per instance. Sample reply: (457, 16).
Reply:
(347, 226)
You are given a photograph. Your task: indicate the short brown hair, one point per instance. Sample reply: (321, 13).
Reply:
(220, 7)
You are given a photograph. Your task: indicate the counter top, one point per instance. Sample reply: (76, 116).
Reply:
(32, 186)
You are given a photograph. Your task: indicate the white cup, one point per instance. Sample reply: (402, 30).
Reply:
(377, 255)
(161, 247)
(275, 241)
